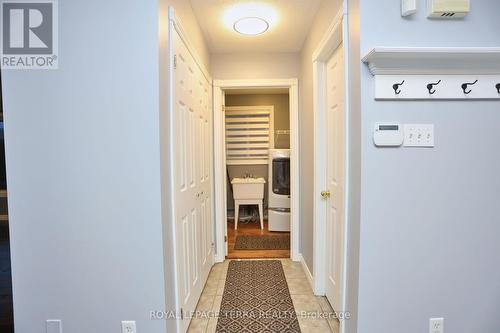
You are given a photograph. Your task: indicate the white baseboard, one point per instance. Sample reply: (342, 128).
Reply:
(306, 271)
(219, 258)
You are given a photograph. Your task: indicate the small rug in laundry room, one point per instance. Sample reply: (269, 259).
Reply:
(262, 242)
(256, 299)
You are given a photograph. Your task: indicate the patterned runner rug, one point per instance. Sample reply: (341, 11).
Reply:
(256, 299)
(251, 242)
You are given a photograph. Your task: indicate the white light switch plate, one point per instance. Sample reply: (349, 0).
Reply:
(418, 135)
(436, 325)
(128, 327)
(53, 326)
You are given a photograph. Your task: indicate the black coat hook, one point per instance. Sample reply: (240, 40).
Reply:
(430, 87)
(498, 87)
(465, 85)
(396, 86)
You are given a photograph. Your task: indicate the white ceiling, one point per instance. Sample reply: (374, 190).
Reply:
(288, 35)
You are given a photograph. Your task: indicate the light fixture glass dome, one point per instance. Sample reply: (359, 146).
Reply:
(250, 18)
(251, 26)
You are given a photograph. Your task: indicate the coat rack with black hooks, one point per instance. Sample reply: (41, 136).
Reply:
(435, 73)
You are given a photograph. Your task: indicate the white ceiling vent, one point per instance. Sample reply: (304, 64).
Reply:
(448, 9)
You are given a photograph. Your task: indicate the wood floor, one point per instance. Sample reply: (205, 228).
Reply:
(252, 229)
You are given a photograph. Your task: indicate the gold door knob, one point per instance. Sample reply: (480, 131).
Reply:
(325, 194)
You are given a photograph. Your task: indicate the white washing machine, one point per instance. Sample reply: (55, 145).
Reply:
(279, 190)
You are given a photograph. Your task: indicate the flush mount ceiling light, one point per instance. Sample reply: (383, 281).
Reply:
(250, 18)
(251, 26)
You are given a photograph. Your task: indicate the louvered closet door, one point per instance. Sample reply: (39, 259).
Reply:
(192, 197)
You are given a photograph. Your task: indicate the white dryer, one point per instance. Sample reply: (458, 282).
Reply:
(279, 190)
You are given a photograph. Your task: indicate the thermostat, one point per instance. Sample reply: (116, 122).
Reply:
(388, 135)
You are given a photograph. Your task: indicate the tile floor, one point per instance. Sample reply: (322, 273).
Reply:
(302, 296)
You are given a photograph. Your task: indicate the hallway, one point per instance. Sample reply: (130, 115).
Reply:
(134, 131)
(307, 306)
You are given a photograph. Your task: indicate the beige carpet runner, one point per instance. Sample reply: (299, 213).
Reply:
(256, 299)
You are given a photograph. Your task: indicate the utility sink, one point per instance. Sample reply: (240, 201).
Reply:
(248, 188)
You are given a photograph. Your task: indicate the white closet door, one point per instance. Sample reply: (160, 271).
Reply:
(192, 193)
(335, 154)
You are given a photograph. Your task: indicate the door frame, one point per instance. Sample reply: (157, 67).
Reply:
(335, 36)
(220, 179)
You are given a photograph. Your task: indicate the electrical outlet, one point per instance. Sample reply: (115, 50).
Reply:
(436, 325)
(418, 135)
(128, 327)
(53, 326)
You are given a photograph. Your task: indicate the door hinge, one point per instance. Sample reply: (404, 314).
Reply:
(175, 61)
(182, 314)
(225, 238)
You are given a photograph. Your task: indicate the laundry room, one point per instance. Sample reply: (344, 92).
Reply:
(258, 172)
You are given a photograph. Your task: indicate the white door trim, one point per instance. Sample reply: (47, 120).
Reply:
(176, 24)
(333, 38)
(220, 159)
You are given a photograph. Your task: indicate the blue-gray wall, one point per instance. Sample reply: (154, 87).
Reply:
(83, 163)
(429, 218)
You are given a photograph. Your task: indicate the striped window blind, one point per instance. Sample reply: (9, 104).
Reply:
(249, 134)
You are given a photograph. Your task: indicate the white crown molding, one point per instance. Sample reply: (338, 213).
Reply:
(430, 61)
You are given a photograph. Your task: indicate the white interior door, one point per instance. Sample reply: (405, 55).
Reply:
(335, 156)
(192, 194)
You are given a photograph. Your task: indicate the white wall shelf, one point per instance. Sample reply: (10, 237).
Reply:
(435, 73)
(438, 60)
